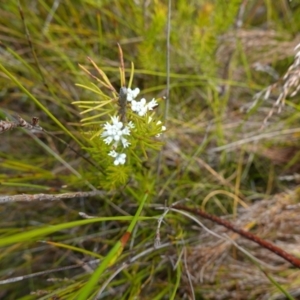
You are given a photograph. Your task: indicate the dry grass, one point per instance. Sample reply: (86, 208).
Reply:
(221, 271)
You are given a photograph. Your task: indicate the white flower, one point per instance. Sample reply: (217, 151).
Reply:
(115, 132)
(152, 104)
(132, 94)
(120, 158)
(140, 107)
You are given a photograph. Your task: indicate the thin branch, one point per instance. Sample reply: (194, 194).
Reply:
(48, 197)
(248, 235)
(224, 238)
(42, 273)
(9, 125)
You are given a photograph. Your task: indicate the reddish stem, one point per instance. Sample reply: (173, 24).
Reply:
(248, 235)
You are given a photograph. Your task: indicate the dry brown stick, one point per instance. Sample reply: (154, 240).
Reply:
(48, 197)
(9, 125)
(248, 235)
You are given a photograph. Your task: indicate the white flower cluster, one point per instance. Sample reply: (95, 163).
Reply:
(120, 158)
(116, 133)
(140, 107)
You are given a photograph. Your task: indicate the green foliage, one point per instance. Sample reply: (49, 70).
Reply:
(115, 176)
(134, 120)
(205, 156)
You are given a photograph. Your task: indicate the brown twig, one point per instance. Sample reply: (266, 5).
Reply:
(9, 125)
(248, 235)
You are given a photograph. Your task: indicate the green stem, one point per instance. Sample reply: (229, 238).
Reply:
(112, 256)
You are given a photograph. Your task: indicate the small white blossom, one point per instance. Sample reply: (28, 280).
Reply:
(152, 104)
(132, 94)
(125, 143)
(120, 158)
(140, 107)
(113, 153)
(115, 132)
